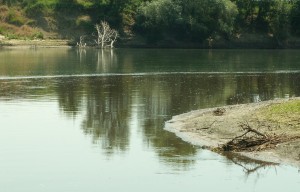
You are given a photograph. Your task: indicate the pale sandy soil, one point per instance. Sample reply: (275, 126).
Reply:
(204, 128)
(15, 43)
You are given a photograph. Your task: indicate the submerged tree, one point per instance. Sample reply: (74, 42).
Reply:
(105, 35)
(81, 42)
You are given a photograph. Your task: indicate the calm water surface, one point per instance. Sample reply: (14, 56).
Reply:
(92, 120)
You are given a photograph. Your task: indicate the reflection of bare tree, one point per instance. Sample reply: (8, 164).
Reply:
(106, 60)
(81, 54)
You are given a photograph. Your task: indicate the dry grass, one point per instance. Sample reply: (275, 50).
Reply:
(14, 24)
(276, 123)
(3, 12)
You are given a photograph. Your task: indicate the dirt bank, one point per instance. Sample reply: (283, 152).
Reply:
(214, 127)
(34, 43)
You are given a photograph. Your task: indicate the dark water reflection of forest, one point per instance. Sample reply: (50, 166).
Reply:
(109, 102)
(122, 97)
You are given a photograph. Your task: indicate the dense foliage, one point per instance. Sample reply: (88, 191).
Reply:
(158, 20)
(186, 19)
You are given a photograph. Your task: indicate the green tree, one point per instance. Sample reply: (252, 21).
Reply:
(156, 19)
(264, 16)
(252, 15)
(193, 20)
(295, 18)
(280, 20)
(9, 2)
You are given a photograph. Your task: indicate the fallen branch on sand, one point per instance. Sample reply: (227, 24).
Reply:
(253, 140)
(208, 127)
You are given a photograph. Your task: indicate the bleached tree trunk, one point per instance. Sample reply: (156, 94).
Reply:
(114, 37)
(81, 43)
(105, 35)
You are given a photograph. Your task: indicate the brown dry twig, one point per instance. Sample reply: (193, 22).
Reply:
(208, 127)
(253, 140)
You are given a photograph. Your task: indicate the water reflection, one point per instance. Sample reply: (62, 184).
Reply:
(106, 60)
(130, 97)
(69, 95)
(249, 166)
(57, 103)
(81, 54)
(61, 61)
(107, 112)
(112, 107)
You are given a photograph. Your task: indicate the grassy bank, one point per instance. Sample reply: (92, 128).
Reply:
(245, 41)
(285, 115)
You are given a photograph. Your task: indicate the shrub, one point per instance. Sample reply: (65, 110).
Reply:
(38, 35)
(295, 18)
(14, 17)
(2, 30)
(194, 20)
(3, 8)
(12, 36)
(35, 10)
(279, 20)
(31, 22)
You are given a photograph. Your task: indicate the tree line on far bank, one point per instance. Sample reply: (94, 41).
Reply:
(187, 21)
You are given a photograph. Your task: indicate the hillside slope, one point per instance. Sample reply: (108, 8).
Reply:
(158, 23)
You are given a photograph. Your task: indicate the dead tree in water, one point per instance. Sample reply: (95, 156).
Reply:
(81, 42)
(113, 38)
(105, 35)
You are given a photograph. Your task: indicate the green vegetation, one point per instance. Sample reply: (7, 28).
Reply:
(289, 107)
(287, 112)
(186, 20)
(158, 22)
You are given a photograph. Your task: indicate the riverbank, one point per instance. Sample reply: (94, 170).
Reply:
(34, 43)
(214, 127)
(246, 41)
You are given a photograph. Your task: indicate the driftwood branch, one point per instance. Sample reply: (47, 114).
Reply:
(256, 141)
(246, 127)
(208, 127)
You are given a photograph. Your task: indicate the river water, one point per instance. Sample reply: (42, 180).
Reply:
(92, 120)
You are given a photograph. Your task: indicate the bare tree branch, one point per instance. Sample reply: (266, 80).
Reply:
(105, 35)
(81, 42)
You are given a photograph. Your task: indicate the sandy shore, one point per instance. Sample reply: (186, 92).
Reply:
(16, 43)
(204, 128)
